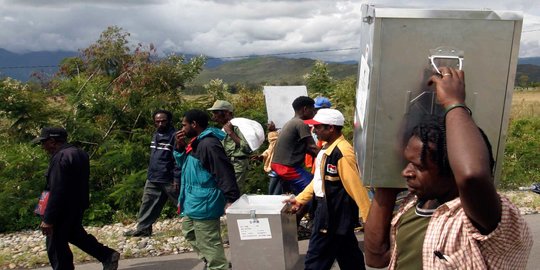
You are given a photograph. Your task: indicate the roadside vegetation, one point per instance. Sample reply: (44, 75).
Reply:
(105, 98)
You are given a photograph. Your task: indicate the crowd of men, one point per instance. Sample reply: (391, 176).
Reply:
(452, 218)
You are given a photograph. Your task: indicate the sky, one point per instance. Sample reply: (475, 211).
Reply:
(327, 30)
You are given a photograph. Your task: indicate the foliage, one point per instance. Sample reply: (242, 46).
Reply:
(21, 173)
(342, 101)
(520, 167)
(22, 110)
(319, 81)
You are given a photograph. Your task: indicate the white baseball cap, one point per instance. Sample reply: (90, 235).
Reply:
(327, 117)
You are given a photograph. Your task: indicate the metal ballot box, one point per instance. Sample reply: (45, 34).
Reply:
(400, 50)
(261, 234)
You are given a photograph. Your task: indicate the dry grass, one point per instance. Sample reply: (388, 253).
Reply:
(526, 104)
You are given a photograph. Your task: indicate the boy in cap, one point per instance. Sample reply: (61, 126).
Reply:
(338, 196)
(67, 183)
(235, 144)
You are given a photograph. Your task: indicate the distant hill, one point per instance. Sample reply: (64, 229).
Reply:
(254, 70)
(21, 66)
(271, 70)
(532, 71)
(529, 60)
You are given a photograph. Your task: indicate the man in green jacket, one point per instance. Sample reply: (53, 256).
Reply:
(207, 186)
(235, 144)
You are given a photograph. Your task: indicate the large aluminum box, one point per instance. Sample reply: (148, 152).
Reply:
(262, 235)
(392, 93)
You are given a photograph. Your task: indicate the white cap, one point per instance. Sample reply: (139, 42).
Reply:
(327, 117)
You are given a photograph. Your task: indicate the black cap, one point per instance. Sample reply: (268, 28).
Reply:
(51, 132)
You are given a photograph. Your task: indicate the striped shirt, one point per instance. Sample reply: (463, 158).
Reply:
(462, 246)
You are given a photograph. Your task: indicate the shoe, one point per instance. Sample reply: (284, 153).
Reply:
(112, 262)
(303, 233)
(535, 188)
(138, 233)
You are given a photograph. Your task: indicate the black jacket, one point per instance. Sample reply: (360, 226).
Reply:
(161, 168)
(67, 182)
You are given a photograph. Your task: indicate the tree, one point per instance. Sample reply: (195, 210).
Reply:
(23, 111)
(523, 81)
(319, 80)
(110, 53)
(105, 99)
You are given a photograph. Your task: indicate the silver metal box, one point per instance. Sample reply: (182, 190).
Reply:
(261, 235)
(392, 93)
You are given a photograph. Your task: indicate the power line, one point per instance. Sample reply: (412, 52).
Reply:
(223, 57)
(533, 30)
(15, 67)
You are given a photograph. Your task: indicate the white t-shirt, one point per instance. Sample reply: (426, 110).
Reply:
(317, 181)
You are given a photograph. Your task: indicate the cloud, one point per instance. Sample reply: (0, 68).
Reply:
(215, 28)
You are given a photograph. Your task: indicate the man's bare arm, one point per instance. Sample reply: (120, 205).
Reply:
(377, 228)
(468, 154)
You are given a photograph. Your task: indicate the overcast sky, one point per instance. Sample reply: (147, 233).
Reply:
(226, 28)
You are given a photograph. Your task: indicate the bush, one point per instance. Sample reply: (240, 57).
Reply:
(522, 155)
(22, 170)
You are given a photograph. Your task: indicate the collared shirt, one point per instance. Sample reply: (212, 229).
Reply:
(462, 246)
(340, 166)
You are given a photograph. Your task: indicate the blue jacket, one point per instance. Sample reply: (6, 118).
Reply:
(207, 177)
(161, 168)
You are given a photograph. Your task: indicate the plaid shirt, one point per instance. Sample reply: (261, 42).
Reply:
(451, 232)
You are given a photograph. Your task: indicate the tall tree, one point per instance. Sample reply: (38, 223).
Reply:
(319, 81)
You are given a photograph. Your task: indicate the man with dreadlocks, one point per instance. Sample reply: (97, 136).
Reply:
(453, 217)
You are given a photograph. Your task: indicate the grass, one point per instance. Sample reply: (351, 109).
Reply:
(525, 104)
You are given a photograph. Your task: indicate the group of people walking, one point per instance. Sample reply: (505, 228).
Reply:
(453, 218)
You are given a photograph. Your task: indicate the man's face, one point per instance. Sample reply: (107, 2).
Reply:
(188, 128)
(308, 112)
(49, 145)
(423, 180)
(220, 117)
(322, 131)
(161, 122)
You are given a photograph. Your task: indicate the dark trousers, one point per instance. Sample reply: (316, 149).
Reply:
(69, 229)
(154, 197)
(325, 248)
(274, 184)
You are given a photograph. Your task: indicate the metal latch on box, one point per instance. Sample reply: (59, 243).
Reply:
(253, 216)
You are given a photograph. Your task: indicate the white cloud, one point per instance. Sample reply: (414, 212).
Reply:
(217, 28)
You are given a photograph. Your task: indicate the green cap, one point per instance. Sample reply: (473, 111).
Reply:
(221, 105)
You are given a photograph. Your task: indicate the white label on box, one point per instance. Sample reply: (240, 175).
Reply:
(362, 93)
(251, 229)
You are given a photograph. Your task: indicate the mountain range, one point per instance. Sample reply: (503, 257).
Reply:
(253, 70)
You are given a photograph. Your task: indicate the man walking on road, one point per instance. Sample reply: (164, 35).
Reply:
(67, 182)
(293, 143)
(163, 176)
(208, 186)
(338, 198)
(235, 144)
